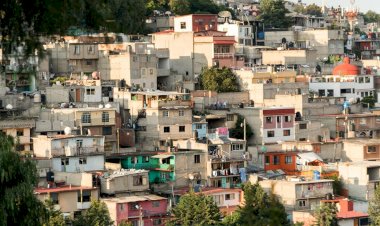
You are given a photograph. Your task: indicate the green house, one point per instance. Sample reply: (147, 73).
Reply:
(161, 167)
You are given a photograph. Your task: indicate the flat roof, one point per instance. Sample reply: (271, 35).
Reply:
(363, 141)
(66, 188)
(158, 93)
(135, 198)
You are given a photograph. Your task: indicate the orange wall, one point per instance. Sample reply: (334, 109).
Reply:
(282, 165)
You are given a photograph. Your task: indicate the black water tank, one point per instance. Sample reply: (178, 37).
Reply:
(50, 176)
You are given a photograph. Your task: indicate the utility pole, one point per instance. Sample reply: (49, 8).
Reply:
(141, 223)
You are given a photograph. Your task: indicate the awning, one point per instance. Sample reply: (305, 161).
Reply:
(161, 156)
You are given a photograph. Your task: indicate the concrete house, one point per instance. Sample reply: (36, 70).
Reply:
(71, 153)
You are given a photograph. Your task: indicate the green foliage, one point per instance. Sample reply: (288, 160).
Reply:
(195, 209)
(55, 217)
(325, 215)
(374, 207)
(369, 100)
(337, 184)
(219, 80)
(18, 204)
(371, 17)
(232, 220)
(261, 208)
(180, 7)
(238, 131)
(314, 10)
(125, 223)
(273, 13)
(96, 215)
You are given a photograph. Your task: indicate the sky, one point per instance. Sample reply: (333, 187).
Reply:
(363, 5)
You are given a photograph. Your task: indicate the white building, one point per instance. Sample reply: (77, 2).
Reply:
(243, 33)
(345, 81)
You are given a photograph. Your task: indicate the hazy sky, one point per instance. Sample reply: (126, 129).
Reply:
(364, 5)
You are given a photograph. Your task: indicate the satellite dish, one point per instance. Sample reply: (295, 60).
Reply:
(224, 14)
(100, 105)
(9, 107)
(67, 130)
(108, 106)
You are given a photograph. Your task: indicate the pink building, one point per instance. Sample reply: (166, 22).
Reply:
(150, 210)
(196, 22)
(278, 124)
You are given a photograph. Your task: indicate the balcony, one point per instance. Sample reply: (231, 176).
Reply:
(74, 151)
(151, 166)
(223, 55)
(170, 103)
(162, 53)
(163, 72)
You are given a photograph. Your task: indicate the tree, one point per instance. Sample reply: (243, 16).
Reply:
(371, 17)
(337, 184)
(97, 214)
(326, 214)
(55, 217)
(219, 80)
(313, 10)
(374, 207)
(232, 220)
(18, 176)
(273, 13)
(238, 131)
(261, 208)
(180, 7)
(369, 100)
(196, 209)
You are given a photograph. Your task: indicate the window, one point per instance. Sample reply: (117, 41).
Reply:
(157, 221)
(166, 161)
(181, 113)
(54, 198)
(268, 119)
(270, 133)
(88, 62)
(165, 113)
(267, 160)
(91, 49)
(181, 128)
(121, 206)
(237, 147)
(183, 25)
(361, 79)
(151, 71)
(302, 203)
(288, 159)
(229, 197)
(133, 206)
(197, 159)
(20, 133)
(86, 196)
(278, 119)
(76, 50)
(107, 130)
(371, 149)
(288, 118)
(86, 117)
(367, 79)
(156, 204)
(82, 161)
(139, 180)
(276, 160)
(105, 117)
(321, 93)
(90, 91)
(198, 126)
(330, 92)
(230, 117)
(146, 159)
(286, 132)
(345, 91)
(166, 129)
(303, 126)
(143, 71)
(64, 161)
(134, 160)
